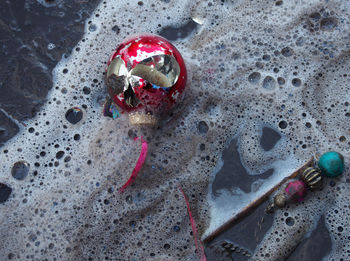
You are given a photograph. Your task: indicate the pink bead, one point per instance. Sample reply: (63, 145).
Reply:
(296, 190)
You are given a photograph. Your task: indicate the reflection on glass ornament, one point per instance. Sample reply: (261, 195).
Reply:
(146, 77)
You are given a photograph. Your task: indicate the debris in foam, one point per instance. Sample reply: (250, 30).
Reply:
(248, 209)
(110, 109)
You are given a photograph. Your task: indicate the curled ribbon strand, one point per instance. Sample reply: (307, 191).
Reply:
(138, 166)
(198, 243)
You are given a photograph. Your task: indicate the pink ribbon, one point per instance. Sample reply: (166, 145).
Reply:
(197, 242)
(138, 166)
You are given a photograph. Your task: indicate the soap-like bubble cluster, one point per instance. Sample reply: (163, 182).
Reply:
(286, 70)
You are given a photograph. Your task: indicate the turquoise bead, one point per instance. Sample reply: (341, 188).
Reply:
(331, 164)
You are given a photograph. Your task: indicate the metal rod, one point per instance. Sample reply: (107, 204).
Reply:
(248, 209)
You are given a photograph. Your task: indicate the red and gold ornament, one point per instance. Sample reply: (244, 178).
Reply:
(146, 76)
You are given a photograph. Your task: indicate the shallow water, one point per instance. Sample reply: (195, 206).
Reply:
(268, 88)
(35, 35)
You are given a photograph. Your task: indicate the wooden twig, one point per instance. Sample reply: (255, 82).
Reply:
(248, 209)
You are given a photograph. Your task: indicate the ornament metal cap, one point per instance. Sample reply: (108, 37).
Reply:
(139, 118)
